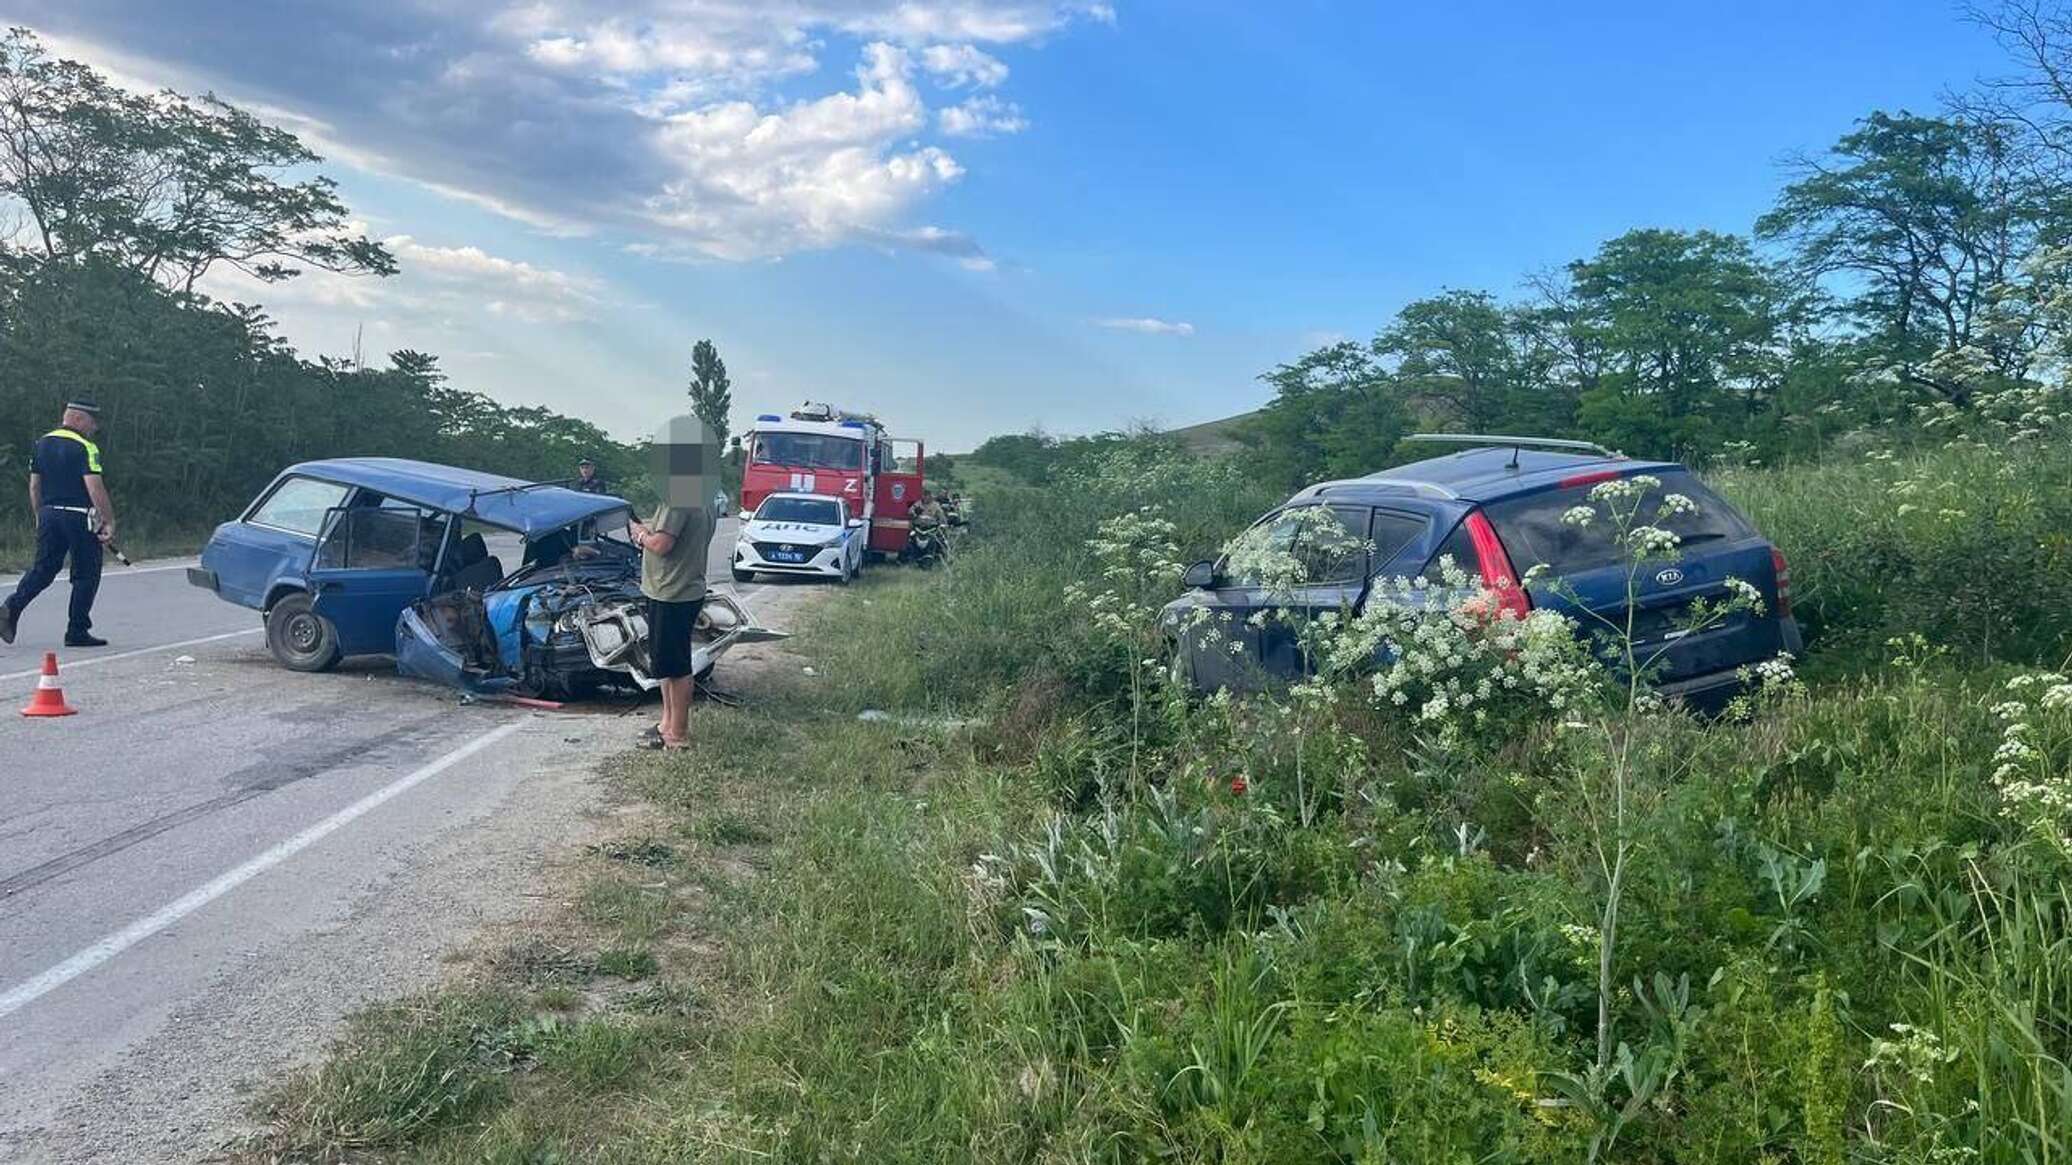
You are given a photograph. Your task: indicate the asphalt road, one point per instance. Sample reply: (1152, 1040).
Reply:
(216, 848)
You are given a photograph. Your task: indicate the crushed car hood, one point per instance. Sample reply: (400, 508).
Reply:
(564, 638)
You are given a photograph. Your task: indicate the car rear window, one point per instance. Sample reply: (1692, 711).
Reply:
(1392, 532)
(1533, 532)
(299, 505)
(1460, 547)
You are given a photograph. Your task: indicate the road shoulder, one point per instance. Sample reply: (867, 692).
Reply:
(505, 888)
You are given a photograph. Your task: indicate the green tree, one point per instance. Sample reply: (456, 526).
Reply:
(206, 401)
(712, 394)
(1458, 361)
(1930, 217)
(1337, 411)
(163, 185)
(1693, 332)
(1028, 456)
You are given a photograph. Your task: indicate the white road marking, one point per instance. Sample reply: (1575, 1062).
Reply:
(23, 994)
(113, 570)
(121, 655)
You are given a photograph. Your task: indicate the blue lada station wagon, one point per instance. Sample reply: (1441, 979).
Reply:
(483, 582)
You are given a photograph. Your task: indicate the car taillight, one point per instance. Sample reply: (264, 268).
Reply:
(1783, 571)
(1495, 567)
(1591, 478)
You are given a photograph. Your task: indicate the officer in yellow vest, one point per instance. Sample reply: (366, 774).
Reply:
(74, 520)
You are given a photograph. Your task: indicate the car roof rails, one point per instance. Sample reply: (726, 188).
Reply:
(1491, 441)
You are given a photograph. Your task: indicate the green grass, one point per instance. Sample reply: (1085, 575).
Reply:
(18, 543)
(1043, 939)
(1968, 547)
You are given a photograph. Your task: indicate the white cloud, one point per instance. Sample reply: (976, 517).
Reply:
(963, 65)
(751, 184)
(617, 48)
(939, 241)
(431, 279)
(1147, 325)
(517, 289)
(583, 116)
(982, 117)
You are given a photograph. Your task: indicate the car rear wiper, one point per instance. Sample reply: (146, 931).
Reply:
(1706, 536)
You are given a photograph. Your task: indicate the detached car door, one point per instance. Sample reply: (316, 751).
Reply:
(370, 563)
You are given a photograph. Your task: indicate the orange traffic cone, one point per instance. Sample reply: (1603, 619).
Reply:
(49, 699)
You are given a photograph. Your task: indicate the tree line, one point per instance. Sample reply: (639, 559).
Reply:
(113, 206)
(1922, 260)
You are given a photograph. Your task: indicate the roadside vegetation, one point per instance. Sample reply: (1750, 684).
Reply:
(1049, 909)
(980, 884)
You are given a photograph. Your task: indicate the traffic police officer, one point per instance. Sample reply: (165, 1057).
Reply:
(74, 519)
(587, 480)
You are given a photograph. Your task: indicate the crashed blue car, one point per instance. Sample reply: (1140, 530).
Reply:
(482, 582)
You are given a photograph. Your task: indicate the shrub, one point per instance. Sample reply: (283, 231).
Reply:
(1969, 546)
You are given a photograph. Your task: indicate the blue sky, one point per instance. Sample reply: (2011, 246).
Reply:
(974, 216)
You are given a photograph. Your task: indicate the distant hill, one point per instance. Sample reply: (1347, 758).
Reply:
(1212, 438)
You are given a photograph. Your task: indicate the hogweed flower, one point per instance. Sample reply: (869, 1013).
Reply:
(2032, 766)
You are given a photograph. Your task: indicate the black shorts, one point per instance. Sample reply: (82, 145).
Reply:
(669, 637)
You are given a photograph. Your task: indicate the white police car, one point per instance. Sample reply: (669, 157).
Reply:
(801, 534)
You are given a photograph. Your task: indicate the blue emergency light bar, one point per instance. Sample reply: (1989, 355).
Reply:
(769, 417)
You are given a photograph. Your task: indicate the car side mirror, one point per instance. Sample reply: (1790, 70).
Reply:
(1200, 577)
(856, 523)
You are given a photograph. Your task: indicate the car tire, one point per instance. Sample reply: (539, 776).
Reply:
(299, 638)
(743, 576)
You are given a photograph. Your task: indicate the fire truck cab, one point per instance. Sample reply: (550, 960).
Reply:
(820, 449)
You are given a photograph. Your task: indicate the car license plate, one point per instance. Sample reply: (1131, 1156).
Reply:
(787, 554)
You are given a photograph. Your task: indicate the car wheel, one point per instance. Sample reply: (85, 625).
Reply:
(743, 576)
(299, 637)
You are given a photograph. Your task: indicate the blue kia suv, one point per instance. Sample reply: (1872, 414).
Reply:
(1496, 509)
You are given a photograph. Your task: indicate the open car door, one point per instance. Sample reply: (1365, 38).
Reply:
(898, 488)
(371, 562)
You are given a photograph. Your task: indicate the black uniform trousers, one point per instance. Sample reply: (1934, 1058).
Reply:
(63, 534)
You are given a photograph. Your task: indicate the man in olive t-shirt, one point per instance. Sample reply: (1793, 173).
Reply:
(677, 574)
(672, 575)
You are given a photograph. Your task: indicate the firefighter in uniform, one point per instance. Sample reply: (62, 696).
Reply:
(74, 520)
(587, 480)
(927, 509)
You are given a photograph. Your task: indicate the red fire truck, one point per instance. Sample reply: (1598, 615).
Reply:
(821, 449)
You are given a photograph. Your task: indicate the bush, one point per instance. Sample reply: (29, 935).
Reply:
(1967, 545)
